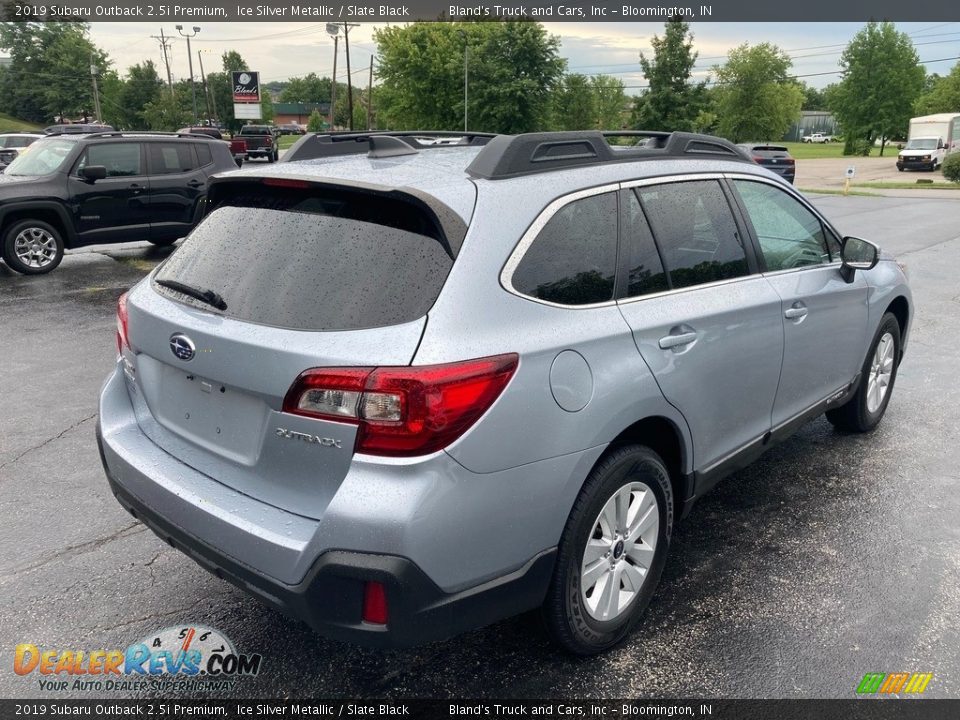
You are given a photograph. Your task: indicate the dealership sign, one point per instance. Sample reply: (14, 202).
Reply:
(246, 86)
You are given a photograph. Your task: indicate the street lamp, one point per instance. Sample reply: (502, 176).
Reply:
(333, 30)
(193, 88)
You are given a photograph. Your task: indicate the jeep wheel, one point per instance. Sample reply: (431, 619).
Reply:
(863, 412)
(32, 247)
(612, 552)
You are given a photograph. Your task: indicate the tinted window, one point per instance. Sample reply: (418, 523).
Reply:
(790, 235)
(120, 159)
(696, 232)
(297, 259)
(573, 259)
(168, 158)
(645, 272)
(203, 154)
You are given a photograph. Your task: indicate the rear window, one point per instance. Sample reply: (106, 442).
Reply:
(255, 131)
(313, 260)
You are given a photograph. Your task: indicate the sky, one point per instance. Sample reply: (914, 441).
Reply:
(283, 50)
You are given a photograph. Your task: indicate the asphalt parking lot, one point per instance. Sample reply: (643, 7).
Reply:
(830, 557)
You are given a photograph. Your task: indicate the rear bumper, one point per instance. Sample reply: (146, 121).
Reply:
(445, 572)
(330, 597)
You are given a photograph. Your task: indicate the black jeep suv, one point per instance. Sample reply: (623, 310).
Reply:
(67, 191)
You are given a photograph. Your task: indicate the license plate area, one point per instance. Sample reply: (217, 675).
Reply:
(211, 414)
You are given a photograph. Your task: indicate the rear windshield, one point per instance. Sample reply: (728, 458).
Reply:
(254, 130)
(313, 260)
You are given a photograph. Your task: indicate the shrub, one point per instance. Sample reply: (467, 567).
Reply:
(315, 123)
(951, 167)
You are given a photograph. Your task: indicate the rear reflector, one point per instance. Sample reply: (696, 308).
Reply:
(122, 322)
(403, 411)
(375, 603)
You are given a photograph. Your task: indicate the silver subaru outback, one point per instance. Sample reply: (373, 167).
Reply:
(406, 385)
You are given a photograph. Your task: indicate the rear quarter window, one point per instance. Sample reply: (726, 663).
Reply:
(311, 260)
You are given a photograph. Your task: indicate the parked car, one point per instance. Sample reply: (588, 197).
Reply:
(261, 141)
(238, 148)
(922, 153)
(817, 138)
(775, 158)
(406, 390)
(12, 143)
(77, 129)
(291, 129)
(75, 190)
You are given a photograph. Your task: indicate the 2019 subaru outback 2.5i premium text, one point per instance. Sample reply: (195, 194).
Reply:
(406, 393)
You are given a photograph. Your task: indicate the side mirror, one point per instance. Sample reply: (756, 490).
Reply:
(93, 172)
(857, 254)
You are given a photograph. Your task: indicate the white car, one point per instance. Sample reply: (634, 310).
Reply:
(817, 138)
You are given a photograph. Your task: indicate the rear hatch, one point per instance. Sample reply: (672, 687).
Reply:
(773, 157)
(292, 276)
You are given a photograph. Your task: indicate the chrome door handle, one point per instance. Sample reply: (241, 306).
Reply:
(671, 341)
(795, 313)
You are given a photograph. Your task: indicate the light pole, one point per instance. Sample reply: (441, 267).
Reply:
(333, 30)
(193, 88)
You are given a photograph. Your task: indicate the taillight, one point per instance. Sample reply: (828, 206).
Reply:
(122, 322)
(403, 411)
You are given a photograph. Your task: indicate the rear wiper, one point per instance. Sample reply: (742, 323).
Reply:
(208, 296)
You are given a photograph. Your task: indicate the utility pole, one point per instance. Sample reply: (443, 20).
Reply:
(96, 91)
(166, 61)
(370, 96)
(206, 94)
(193, 87)
(334, 31)
(346, 42)
(466, 75)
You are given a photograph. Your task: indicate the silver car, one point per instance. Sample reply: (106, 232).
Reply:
(408, 388)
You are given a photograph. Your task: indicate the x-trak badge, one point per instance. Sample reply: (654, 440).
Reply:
(307, 437)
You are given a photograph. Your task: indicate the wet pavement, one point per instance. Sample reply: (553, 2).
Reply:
(832, 556)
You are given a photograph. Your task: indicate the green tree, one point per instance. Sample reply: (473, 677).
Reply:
(513, 69)
(672, 102)
(143, 86)
(49, 71)
(574, 104)
(168, 112)
(813, 99)
(610, 101)
(943, 96)
(882, 80)
(316, 122)
(755, 97)
(307, 89)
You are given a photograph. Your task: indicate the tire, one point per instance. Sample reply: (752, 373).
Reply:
(270, 158)
(32, 247)
(899, 168)
(167, 242)
(863, 412)
(586, 620)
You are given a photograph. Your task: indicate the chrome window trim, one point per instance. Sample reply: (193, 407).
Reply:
(689, 288)
(526, 240)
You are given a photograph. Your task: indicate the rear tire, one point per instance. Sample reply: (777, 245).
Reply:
(612, 552)
(32, 247)
(863, 412)
(164, 243)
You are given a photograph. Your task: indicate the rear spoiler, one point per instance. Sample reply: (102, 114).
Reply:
(450, 229)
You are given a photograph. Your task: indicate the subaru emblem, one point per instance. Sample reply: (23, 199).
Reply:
(182, 347)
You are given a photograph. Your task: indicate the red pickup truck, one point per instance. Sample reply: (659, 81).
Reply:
(238, 147)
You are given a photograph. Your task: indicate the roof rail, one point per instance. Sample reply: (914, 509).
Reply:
(509, 156)
(320, 145)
